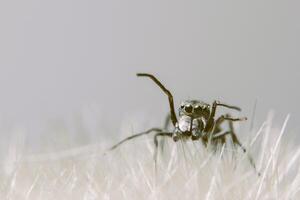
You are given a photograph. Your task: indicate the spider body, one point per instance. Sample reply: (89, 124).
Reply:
(196, 121)
(193, 115)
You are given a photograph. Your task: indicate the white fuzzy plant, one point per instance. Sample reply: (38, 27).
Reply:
(184, 171)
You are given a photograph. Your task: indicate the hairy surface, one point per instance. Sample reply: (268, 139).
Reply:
(185, 171)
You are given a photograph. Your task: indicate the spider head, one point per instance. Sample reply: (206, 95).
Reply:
(194, 108)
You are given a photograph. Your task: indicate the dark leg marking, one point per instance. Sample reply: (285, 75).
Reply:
(167, 92)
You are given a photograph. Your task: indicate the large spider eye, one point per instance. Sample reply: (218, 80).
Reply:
(197, 109)
(188, 108)
(206, 108)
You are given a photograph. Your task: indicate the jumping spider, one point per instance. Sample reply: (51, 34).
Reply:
(196, 122)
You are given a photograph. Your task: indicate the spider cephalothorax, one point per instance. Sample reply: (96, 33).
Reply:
(193, 115)
(194, 108)
(196, 121)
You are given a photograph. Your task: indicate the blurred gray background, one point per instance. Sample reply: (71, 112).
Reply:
(58, 56)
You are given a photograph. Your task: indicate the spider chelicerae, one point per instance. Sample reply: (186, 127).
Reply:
(196, 121)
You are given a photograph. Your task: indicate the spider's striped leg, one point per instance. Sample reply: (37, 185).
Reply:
(134, 136)
(160, 134)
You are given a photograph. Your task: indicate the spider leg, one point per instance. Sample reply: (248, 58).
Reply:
(210, 121)
(160, 134)
(217, 136)
(233, 135)
(134, 136)
(217, 126)
(237, 142)
(167, 92)
(228, 118)
(228, 106)
(219, 139)
(220, 135)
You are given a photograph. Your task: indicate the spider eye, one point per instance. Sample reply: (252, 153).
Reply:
(197, 109)
(188, 108)
(182, 106)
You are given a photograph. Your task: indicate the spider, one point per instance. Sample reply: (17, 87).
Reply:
(196, 121)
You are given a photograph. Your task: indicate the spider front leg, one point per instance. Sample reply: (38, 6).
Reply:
(167, 92)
